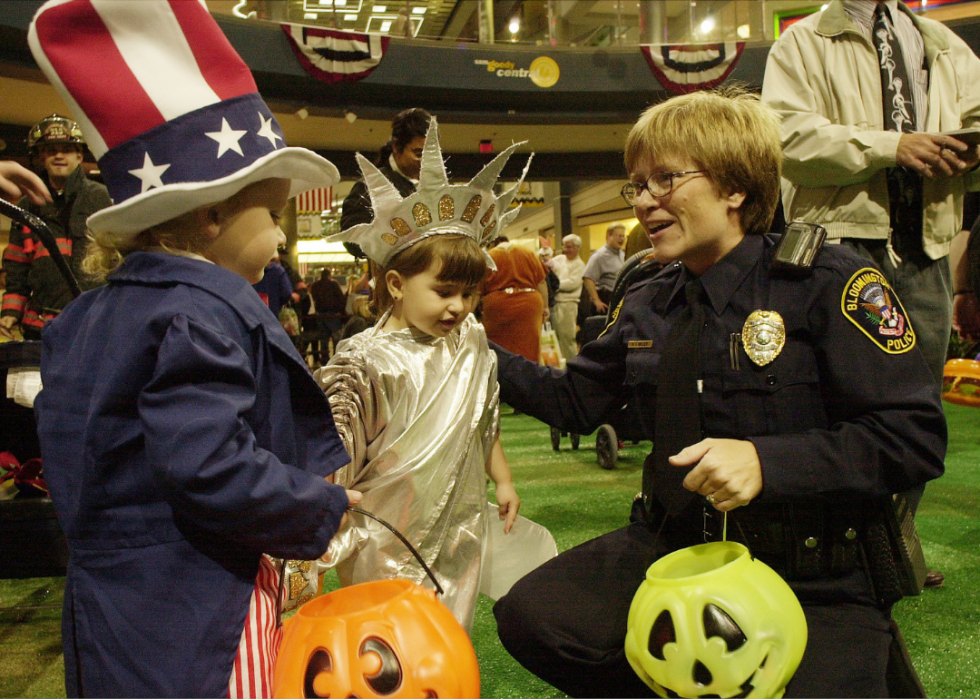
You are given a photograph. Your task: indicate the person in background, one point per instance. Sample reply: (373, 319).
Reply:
(275, 288)
(399, 160)
(569, 268)
(599, 277)
(515, 299)
(547, 256)
(864, 90)
(330, 305)
(36, 291)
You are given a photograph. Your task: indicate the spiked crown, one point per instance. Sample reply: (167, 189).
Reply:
(436, 208)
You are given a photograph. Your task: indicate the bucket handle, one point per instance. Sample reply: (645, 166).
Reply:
(405, 541)
(418, 557)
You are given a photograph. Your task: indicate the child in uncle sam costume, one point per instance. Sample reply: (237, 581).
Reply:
(415, 398)
(183, 436)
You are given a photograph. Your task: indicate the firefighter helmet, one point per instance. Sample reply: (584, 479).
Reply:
(55, 129)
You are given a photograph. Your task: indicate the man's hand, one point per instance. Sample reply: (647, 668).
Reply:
(6, 325)
(17, 181)
(600, 305)
(966, 316)
(728, 470)
(935, 155)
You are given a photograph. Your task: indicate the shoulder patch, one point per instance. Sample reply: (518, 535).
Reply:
(873, 306)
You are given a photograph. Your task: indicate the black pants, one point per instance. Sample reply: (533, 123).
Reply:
(566, 623)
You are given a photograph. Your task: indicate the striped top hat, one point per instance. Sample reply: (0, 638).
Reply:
(169, 109)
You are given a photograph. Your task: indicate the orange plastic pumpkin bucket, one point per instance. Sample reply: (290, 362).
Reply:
(389, 638)
(961, 382)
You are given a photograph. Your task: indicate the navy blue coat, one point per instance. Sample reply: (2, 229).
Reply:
(182, 436)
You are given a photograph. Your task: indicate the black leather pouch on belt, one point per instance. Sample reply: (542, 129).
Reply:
(800, 542)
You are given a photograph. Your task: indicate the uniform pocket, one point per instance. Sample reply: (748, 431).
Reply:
(779, 398)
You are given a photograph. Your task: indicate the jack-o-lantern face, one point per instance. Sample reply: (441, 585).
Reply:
(389, 638)
(712, 621)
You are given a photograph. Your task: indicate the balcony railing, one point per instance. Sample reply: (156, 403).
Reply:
(564, 23)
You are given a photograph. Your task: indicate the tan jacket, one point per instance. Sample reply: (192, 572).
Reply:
(822, 77)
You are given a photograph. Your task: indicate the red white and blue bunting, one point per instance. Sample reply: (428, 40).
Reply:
(683, 68)
(334, 56)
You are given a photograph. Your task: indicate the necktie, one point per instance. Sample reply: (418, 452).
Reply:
(678, 419)
(904, 185)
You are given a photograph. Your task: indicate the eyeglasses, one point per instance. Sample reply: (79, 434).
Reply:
(659, 184)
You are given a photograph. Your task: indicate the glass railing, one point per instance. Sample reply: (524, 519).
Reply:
(565, 23)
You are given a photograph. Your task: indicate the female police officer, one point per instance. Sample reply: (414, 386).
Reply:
(793, 401)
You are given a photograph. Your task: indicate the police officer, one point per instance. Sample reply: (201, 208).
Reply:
(36, 291)
(795, 400)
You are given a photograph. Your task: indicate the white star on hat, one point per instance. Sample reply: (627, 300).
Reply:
(227, 138)
(266, 130)
(149, 174)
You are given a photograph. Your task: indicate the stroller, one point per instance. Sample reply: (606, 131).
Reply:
(34, 545)
(620, 424)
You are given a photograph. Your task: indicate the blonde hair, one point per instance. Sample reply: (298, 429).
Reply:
(107, 250)
(727, 132)
(184, 233)
(463, 262)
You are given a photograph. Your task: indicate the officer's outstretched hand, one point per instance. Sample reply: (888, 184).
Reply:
(728, 471)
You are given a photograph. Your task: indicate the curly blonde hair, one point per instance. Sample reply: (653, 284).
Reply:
(107, 250)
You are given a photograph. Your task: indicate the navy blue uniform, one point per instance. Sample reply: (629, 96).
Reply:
(182, 437)
(847, 412)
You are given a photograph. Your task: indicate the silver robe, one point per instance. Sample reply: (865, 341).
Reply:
(418, 416)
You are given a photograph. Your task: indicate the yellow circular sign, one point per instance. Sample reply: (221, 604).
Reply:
(544, 72)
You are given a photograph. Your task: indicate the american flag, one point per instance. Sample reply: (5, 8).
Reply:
(315, 201)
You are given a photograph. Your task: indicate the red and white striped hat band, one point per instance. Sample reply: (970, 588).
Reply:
(167, 106)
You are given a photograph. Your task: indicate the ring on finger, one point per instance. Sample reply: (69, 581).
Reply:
(710, 498)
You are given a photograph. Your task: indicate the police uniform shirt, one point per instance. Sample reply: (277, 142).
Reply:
(848, 408)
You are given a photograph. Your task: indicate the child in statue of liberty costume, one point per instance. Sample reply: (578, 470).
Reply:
(415, 398)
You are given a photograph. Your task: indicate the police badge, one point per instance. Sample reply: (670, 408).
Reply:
(763, 336)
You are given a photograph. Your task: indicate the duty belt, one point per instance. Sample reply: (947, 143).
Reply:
(799, 541)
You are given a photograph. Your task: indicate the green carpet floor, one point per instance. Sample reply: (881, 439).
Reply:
(568, 493)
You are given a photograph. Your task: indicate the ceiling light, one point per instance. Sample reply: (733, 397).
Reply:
(340, 3)
(379, 8)
(309, 15)
(302, 113)
(326, 2)
(744, 31)
(515, 25)
(386, 25)
(350, 117)
(418, 10)
(707, 25)
(350, 18)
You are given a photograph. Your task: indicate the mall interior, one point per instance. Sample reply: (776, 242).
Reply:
(568, 79)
